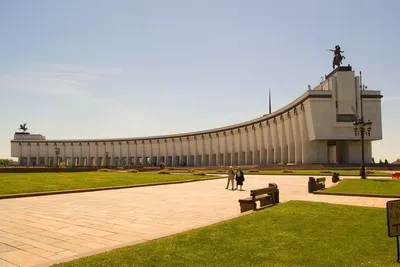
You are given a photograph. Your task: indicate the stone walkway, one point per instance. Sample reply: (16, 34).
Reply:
(41, 231)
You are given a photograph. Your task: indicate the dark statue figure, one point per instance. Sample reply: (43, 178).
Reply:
(337, 56)
(23, 127)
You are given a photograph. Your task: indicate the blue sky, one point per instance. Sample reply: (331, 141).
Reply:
(98, 69)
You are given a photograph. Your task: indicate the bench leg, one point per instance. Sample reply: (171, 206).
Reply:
(265, 201)
(246, 207)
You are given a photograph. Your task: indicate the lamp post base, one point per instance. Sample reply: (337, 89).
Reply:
(363, 173)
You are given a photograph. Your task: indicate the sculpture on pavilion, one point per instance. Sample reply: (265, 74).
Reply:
(23, 127)
(337, 56)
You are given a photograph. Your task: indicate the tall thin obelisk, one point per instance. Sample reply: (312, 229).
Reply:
(269, 100)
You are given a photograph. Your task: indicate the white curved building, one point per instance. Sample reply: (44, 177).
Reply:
(315, 128)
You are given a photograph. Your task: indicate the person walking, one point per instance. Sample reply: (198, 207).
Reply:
(239, 178)
(231, 177)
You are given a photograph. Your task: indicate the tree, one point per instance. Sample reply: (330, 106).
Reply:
(6, 162)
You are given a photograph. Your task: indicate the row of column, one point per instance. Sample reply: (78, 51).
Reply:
(283, 139)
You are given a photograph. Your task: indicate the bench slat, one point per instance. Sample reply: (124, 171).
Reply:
(263, 191)
(250, 199)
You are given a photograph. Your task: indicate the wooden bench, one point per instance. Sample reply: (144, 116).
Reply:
(266, 197)
(320, 183)
(315, 184)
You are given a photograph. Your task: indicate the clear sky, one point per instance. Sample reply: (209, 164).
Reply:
(102, 69)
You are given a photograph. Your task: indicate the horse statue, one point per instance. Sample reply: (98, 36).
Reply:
(23, 127)
(337, 56)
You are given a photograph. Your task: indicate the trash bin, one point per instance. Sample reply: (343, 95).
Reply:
(335, 177)
(312, 185)
(276, 194)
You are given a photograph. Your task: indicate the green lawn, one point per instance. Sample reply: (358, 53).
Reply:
(368, 186)
(16, 183)
(309, 172)
(296, 233)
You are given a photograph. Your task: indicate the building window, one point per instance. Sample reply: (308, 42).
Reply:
(345, 118)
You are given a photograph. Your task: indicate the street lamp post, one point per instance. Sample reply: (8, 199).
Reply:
(57, 150)
(362, 129)
(106, 159)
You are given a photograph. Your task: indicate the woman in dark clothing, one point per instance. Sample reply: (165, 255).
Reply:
(239, 178)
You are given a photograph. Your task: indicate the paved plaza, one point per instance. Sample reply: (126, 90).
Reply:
(41, 231)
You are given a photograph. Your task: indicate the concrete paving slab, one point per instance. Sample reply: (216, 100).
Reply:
(41, 231)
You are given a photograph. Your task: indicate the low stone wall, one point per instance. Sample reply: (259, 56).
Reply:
(38, 169)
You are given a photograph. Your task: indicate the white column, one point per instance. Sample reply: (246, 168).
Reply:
(72, 159)
(289, 138)
(64, 154)
(181, 151)
(29, 155)
(233, 148)
(37, 154)
(173, 152)
(204, 150)
(268, 142)
(135, 158)
(218, 153)
(262, 144)
(158, 152)
(96, 161)
(120, 154)
(296, 137)
(144, 162)
(210, 150)
(282, 139)
(80, 159)
(89, 158)
(195, 150)
(272, 129)
(225, 149)
(248, 156)
(46, 159)
(240, 160)
(255, 147)
(151, 151)
(188, 155)
(128, 161)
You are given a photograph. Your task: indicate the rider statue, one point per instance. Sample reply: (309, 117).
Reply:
(337, 56)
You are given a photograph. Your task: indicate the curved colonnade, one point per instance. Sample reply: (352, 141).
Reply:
(280, 137)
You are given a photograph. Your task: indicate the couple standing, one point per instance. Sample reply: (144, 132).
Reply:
(239, 176)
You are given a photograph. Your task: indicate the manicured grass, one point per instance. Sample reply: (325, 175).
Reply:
(368, 186)
(310, 172)
(296, 233)
(17, 183)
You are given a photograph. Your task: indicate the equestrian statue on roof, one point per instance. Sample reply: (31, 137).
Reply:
(337, 56)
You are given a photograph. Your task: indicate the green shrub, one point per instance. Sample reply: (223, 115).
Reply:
(253, 170)
(325, 171)
(221, 170)
(191, 170)
(133, 171)
(200, 173)
(287, 171)
(103, 170)
(164, 172)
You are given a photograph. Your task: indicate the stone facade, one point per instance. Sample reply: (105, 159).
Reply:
(315, 128)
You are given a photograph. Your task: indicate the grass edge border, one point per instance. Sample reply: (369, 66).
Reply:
(85, 190)
(355, 194)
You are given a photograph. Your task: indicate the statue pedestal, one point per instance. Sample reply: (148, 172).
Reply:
(28, 136)
(341, 68)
